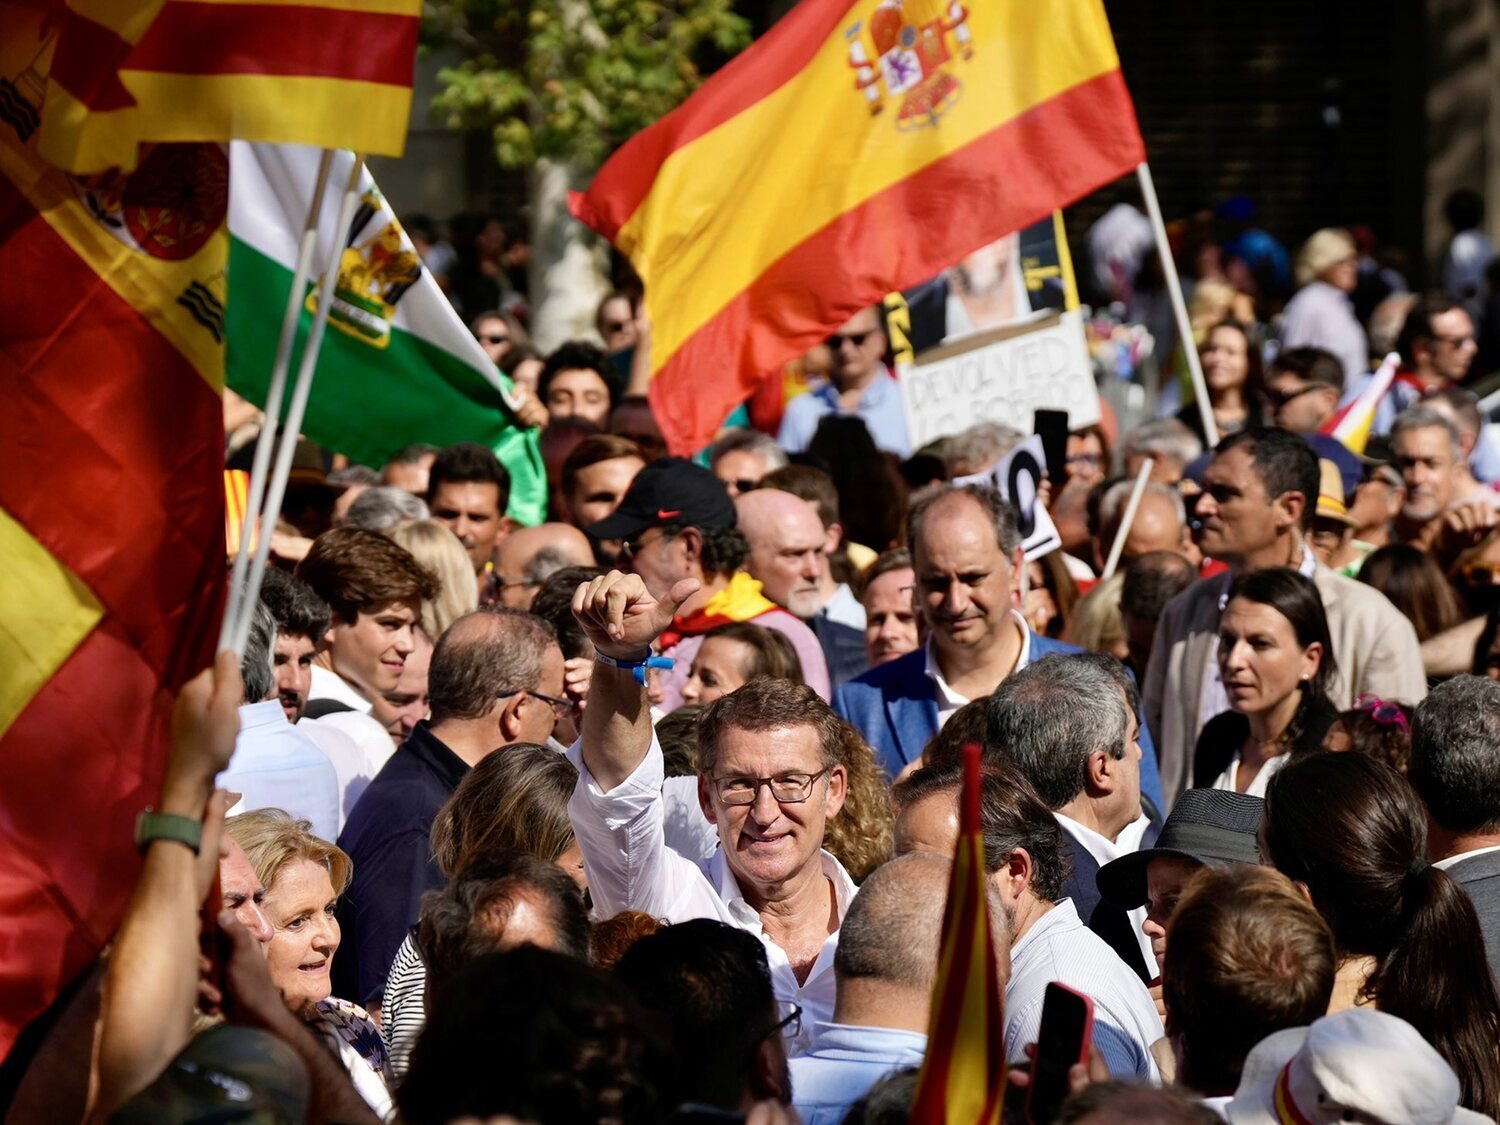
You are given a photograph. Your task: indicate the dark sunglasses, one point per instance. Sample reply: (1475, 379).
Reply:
(616, 325)
(1278, 399)
(856, 338)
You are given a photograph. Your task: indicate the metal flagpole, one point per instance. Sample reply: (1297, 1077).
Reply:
(1179, 306)
(275, 393)
(276, 487)
(1115, 548)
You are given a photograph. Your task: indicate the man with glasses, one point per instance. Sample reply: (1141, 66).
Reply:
(496, 680)
(677, 522)
(1437, 346)
(859, 383)
(769, 780)
(1303, 388)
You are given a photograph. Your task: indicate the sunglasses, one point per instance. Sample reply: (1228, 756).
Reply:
(1387, 714)
(856, 338)
(616, 325)
(1278, 399)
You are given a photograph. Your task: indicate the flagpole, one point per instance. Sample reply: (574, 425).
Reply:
(275, 393)
(1179, 306)
(1118, 546)
(276, 487)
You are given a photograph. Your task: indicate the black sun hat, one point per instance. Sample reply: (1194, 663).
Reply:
(1213, 826)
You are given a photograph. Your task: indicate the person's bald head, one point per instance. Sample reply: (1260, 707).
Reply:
(490, 661)
(1158, 525)
(528, 556)
(788, 549)
(891, 938)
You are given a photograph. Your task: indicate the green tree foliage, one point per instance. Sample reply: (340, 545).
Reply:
(570, 80)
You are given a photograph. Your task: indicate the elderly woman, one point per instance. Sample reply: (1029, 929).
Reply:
(1321, 314)
(304, 877)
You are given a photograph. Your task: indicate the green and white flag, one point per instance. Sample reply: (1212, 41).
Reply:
(397, 365)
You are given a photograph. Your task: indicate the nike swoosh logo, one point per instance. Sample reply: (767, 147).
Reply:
(662, 514)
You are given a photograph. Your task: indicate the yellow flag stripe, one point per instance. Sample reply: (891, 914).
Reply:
(369, 7)
(45, 613)
(713, 203)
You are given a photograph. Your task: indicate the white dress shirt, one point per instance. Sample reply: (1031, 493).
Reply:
(327, 684)
(630, 867)
(1104, 850)
(1059, 947)
(845, 1061)
(948, 700)
(276, 766)
(357, 745)
(1230, 778)
(1444, 864)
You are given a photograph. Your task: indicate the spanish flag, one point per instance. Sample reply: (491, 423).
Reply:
(963, 1077)
(1352, 424)
(111, 520)
(856, 149)
(327, 73)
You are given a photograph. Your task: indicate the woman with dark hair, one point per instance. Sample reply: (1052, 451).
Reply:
(1051, 595)
(733, 654)
(872, 495)
(1351, 832)
(1275, 661)
(1232, 370)
(1415, 585)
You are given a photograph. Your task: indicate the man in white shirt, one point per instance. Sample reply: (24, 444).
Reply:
(1023, 854)
(275, 766)
(1068, 725)
(1455, 768)
(769, 779)
(885, 968)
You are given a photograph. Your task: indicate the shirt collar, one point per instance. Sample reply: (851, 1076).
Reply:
(434, 753)
(945, 694)
(262, 714)
(728, 888)
(859, 1039)
(1444, 864)
(1101, 847)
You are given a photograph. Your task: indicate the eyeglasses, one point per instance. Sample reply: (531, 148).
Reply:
(490, 338)
(790, 1024)
(1278, 399)
(786, 788)
(561, 708)
(508, 580)
(1387, 714)
(1480, 574)
(856, 338)
(631, 548)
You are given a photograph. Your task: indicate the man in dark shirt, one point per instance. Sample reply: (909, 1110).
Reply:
(496, 680)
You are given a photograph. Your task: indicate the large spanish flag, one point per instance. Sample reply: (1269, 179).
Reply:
(329, 73)
(111, 521)
(963, 1076)
(856, 149)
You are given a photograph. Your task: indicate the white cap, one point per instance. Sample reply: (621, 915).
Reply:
(1359, 1065)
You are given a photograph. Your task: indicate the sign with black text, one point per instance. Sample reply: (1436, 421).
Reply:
(1019, 479)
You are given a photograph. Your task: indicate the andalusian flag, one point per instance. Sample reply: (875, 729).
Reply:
(331, 73)
(1353, 423)
(963, 1075)
(111, 517)
(857, 149)
(397, 365)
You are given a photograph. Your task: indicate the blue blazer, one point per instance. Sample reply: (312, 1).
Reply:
(893, 706)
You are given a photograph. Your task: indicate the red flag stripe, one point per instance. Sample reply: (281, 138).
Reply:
(120, 428)
(284, 40)
(761, 69)
(86, 63)
(762, 329)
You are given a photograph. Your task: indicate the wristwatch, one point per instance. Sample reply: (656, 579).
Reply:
(151, 826)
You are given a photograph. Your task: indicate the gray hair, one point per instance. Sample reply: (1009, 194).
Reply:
(1112, 503)
(1455, 754)
(1051, 717)
(982, 444)
(1164, 438)
(382, 507)
(1420, 417)
(1002, 514)
(749, 441)
(256, 668)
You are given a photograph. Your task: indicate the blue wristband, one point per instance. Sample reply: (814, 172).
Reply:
(636, 668)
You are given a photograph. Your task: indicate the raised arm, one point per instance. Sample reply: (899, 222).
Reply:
(151, 985)
(621, 618)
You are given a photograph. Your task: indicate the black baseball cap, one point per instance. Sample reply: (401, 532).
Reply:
(670, 490)
(1216, 827)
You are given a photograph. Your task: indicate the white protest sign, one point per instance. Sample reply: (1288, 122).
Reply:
(1002, 375)
(1019, 480)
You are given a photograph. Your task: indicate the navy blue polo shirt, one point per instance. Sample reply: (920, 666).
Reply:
(387, 837)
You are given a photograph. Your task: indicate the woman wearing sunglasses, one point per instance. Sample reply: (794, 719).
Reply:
(1275, 662)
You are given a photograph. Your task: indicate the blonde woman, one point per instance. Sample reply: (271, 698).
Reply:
(303, 877)
(1096, 623)
(440, 552)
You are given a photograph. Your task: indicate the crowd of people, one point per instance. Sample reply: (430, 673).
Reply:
(648, 813)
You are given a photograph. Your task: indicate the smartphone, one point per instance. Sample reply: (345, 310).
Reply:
(1066, 1032)
(1052, 427)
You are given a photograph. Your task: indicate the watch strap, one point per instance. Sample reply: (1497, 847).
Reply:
(151, 826)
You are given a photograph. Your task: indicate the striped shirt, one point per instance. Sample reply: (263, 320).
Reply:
(402, 1011)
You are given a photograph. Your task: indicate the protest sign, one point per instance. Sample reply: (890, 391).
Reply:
(1019, 479)
(1003, 375)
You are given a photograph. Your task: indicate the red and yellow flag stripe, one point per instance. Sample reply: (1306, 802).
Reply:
(963, 1076)
(785, 196)
(328, 73)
